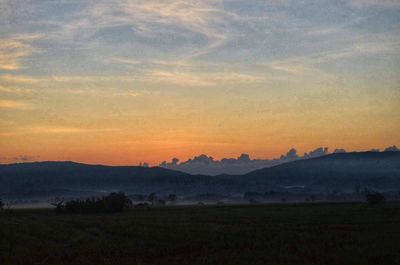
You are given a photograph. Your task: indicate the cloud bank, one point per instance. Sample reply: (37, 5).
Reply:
(243, 164)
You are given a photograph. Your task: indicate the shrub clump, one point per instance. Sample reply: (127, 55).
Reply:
(113, 203)
(374, 197)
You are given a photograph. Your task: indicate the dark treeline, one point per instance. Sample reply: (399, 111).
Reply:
(374, 197)
(112, 203)
(117, 202)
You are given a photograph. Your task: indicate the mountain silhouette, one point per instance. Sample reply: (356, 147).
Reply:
(334, 172)
(340, 171)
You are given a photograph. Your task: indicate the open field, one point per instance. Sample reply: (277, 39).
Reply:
(246, 234)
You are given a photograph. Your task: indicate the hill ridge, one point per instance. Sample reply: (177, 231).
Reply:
(339, 172)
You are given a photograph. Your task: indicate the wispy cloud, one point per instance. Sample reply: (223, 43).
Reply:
(14, 104)
(26, 158)
(11, 52)
(42, 129)
(126, 93)
(288, 67)
(202, 17)
(98, 92)
(4, 123)
(86, 78)
(13, 49)
(20, 158)
(375, 3)
(18, 79)
(180, 78)
(47, 129)
(11, 8)
(125, 61)
(14, 90)
(152, 18)
(185, 77)
(149, 62)
(309, 64)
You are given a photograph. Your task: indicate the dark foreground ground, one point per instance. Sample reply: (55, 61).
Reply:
(259, 234)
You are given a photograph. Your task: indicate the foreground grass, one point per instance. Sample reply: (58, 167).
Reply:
(259, 234)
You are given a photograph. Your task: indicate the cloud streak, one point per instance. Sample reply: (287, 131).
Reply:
(18, 79)
(199, 17)
(14, 104)
(375, 3)
(198, 79)
(43, 129)
(14, 49)
(14, 90)
(196, 20)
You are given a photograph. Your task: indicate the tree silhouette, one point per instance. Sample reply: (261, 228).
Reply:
(58, 203)
(114, 202)
(152, 198)
(172, 198)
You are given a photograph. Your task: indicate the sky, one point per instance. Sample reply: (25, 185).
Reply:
(122, 82)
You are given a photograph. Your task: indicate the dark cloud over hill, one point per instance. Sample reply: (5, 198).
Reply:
(207, 165)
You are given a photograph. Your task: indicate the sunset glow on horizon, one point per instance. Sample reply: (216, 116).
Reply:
(123, 82)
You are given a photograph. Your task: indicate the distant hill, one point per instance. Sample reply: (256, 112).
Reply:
(335, 172)
(341, 171)
(52, 177)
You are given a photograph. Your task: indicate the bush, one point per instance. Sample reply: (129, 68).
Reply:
(1, 204)
(374, 197)
(114, 202)
(172, 198)
(143, 205)
(152, 197)
(58, 203)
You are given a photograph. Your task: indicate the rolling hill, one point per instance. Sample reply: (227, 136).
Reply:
(374, 170)
(335, 172)
(66, 177)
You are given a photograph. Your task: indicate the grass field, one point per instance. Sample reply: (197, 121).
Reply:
(252, 234)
